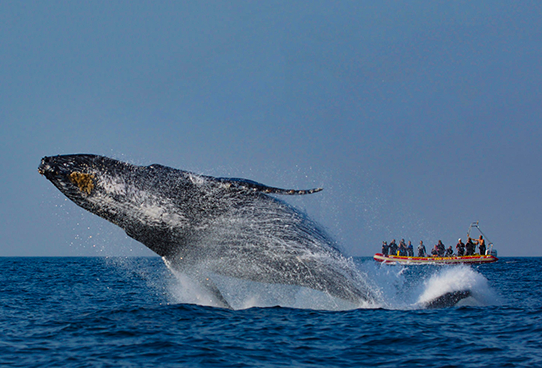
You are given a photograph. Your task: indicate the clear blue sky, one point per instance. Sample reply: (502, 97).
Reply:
(417, 117)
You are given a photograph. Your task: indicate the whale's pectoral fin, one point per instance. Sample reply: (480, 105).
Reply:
(257, 187)
(447, 300)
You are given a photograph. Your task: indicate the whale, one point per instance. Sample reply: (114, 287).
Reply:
(204, 226)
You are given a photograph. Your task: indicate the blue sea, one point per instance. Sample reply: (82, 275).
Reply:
(134, 312)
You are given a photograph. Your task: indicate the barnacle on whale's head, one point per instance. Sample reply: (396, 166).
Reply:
(83, 181)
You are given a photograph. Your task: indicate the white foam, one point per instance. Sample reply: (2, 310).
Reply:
(399, 287)
(243, 294)
(186, 291)
(459, 278)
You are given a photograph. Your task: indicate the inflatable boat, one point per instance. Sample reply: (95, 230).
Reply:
(490, 255)
(475, 259)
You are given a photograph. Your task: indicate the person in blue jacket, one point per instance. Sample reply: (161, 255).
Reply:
(410, 249)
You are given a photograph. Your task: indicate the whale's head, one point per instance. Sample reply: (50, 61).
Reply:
(142, 200)
(84, 178)
(73, 175)
(76, 175)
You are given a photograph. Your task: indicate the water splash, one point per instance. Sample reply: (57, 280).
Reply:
(412, 287)
(459, 278)
(244, 294)
(396, 287)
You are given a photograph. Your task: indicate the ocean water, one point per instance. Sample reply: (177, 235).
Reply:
(134, 312)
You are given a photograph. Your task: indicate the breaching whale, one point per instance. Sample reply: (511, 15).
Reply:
(202, 225)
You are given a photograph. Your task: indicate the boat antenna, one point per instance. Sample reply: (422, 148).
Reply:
(476, 224)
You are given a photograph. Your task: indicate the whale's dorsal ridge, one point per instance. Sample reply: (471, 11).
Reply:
(240, 183)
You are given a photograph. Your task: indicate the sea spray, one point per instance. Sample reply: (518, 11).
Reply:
(458, 278)
(395, 287)
(243, 294)
(412, 287)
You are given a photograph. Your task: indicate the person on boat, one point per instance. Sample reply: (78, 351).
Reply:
(449, 252)
(410, 249)
(402, 250)
(440, 248)
(434, 251)
(421, 250)
(470, 246)
(460, 248)
(481, 245)
(385, 248)
(393, 248)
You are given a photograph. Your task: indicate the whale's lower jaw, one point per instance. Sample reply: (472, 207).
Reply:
(447, 300)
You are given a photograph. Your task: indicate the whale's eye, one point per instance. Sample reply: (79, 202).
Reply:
(83, 181)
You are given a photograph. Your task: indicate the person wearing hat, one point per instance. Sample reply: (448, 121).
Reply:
(460, 248)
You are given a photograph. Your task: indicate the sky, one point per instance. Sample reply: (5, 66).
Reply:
(417, 117)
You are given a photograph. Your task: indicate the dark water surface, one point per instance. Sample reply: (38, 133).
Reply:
(121, 312)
